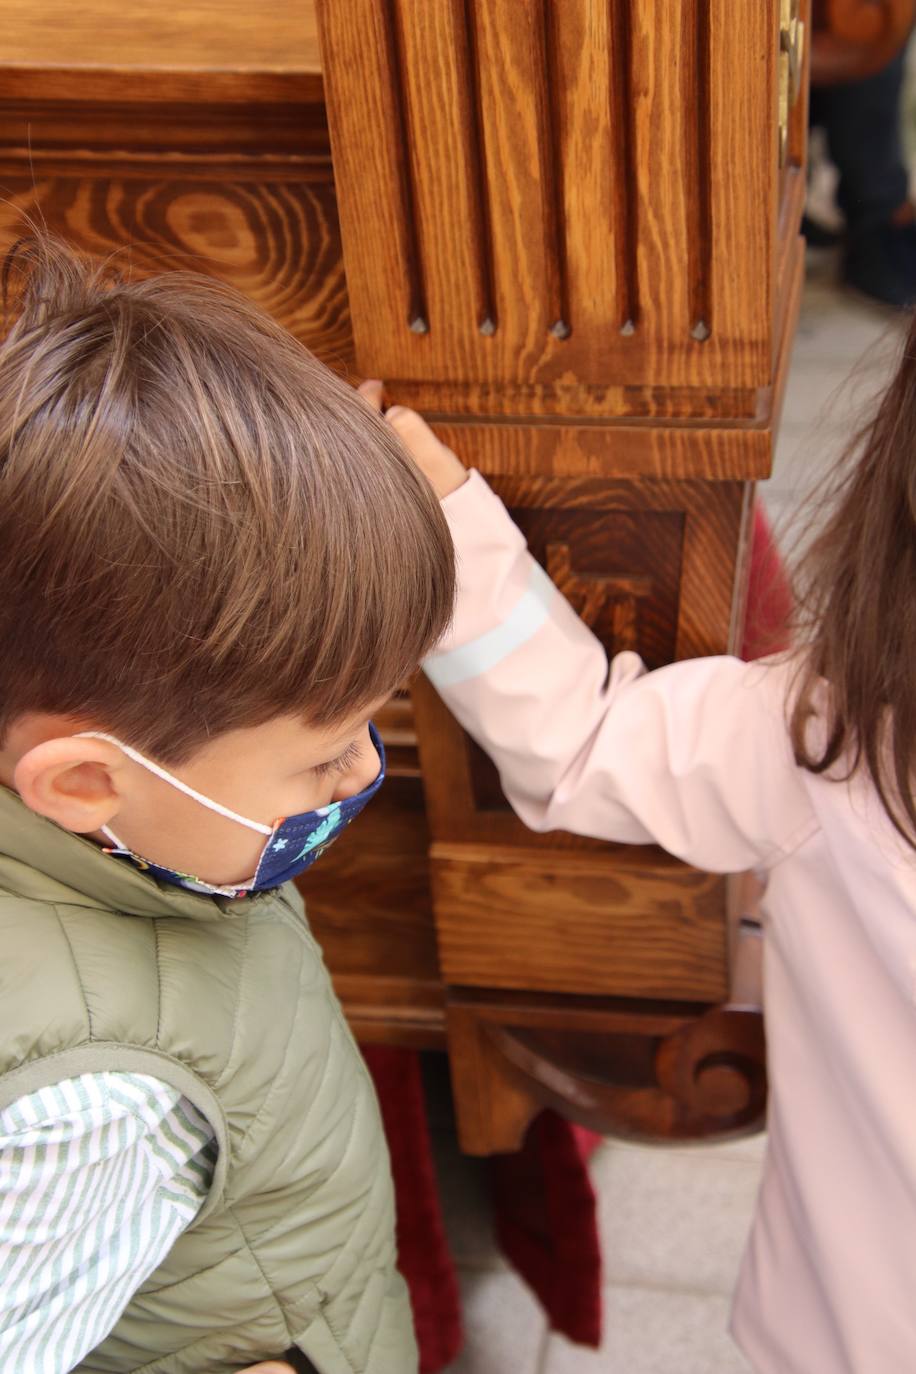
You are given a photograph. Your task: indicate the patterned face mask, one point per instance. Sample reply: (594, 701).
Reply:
(293, 843)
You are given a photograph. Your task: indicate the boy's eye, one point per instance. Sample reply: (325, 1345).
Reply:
(340, 764)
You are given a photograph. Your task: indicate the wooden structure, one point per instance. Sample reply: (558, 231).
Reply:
(568, 233)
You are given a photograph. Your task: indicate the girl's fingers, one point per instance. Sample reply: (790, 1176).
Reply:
(437, 463)
(372, 391)
(410, 425)
(271, 1367)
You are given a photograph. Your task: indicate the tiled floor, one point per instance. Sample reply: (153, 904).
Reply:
(672, 1225)
(673, 1221)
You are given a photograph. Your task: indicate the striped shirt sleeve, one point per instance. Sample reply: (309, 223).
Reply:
(99, 1175)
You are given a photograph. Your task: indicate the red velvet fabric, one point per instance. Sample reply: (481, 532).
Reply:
(546, 1223)
(543, 1201)
(769, 594)
(423, 1251)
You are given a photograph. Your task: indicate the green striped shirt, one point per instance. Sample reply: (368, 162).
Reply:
(99, 1175)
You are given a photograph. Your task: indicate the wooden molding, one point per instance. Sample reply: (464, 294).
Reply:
(644, 1073)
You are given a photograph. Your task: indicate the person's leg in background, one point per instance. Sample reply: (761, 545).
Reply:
(862, 124)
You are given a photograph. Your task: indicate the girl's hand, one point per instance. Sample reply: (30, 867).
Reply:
(439, 466)
(271, 1367)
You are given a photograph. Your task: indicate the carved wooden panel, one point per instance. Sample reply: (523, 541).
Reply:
(655, 565)
(558, 193)
(621, 572)
(619, 569)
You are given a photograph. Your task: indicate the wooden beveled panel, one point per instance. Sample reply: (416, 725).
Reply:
(620, 570)
(210, 135)
(654, 449)
(277, 241)
(562, 191)
(627, 922)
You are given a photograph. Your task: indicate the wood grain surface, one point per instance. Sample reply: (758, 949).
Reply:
(276, 241)
(369, 899)
(571, 192)
(642, 1070)
(198, 52)
(213, 174)
(142, 35)
(555, 921)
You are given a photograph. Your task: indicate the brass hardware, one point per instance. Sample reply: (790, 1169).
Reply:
(791, 67)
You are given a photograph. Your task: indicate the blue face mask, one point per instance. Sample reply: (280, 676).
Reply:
(293, 842)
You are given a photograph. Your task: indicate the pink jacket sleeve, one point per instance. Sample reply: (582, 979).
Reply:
(695, 756)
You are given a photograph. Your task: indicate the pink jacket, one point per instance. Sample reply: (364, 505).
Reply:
(697, 757)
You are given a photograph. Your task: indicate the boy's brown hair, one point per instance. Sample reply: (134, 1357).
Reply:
(201, 527)
(857, 609)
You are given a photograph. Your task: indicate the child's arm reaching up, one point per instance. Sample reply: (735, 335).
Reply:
(695, 756)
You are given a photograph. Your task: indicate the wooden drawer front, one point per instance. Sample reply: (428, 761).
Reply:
(633, 923)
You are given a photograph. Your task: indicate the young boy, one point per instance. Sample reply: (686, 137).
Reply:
(215, 563)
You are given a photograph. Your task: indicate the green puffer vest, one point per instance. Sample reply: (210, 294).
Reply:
(102, 968)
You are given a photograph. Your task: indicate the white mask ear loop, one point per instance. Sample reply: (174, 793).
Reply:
(110, 835)
(173, 782)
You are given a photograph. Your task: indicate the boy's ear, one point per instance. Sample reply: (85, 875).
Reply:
(74, 782)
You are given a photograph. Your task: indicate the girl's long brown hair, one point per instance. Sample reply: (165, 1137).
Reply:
(857, 610)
